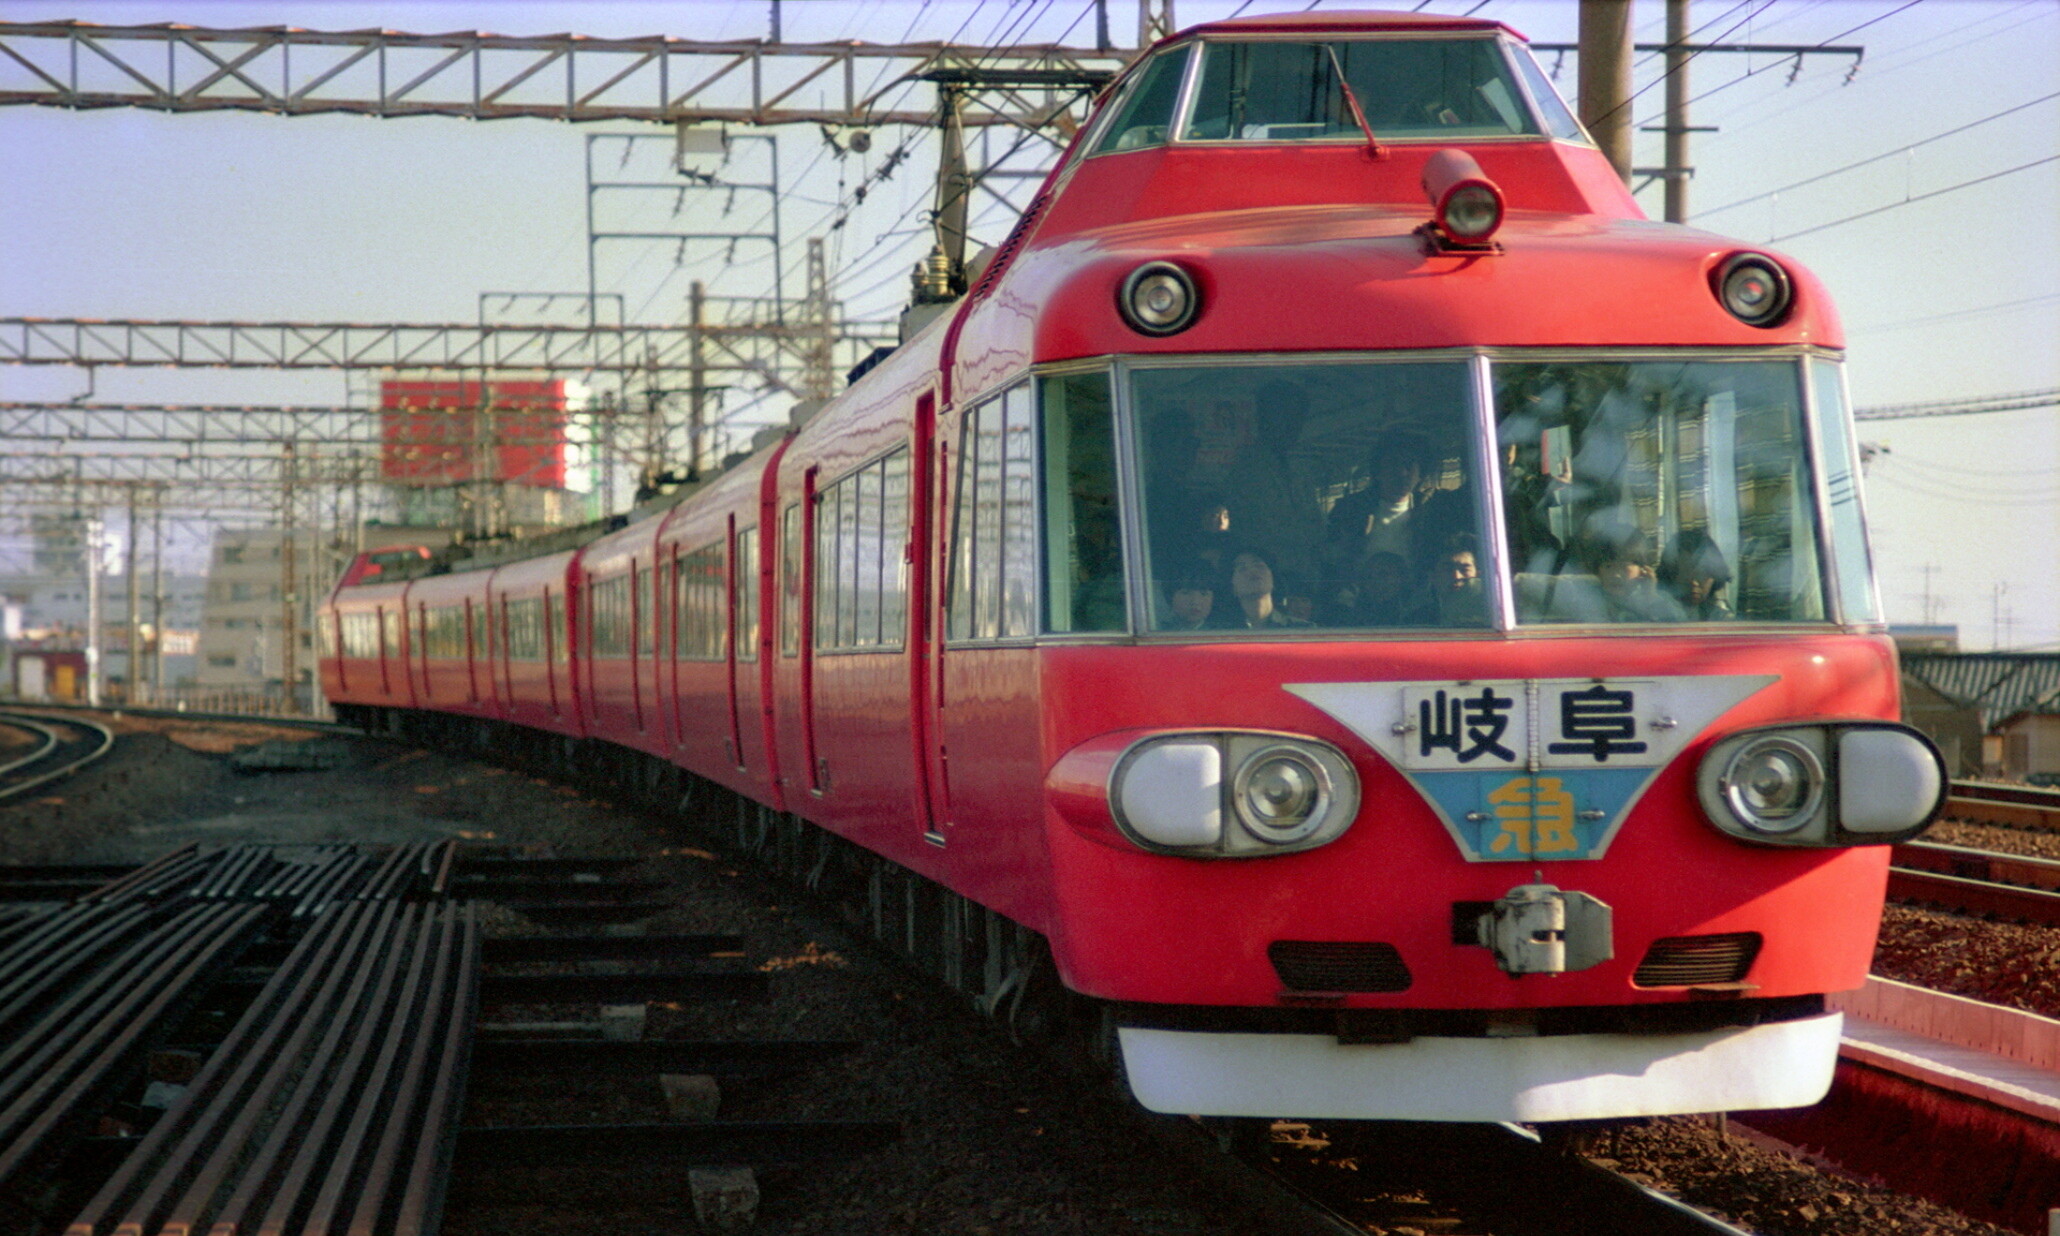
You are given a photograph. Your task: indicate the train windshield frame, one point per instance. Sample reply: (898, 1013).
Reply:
(1255, 89)
(1372, 495)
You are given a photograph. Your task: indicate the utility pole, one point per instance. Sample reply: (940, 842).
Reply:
(157, 597)
(1678, 171)
(1154, 21)
(93, 611)
(697, 377)
(131, 671)
(818, 378)
(289, 601)
(1605, 90)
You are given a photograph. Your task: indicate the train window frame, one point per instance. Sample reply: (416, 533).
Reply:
(1505, 47)
(1059, 520)
(1811, 453)
(1466, 365)
(1133, 94)
(844, 545)
(970, 597)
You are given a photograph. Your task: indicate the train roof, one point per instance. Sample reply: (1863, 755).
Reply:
(1347, 21)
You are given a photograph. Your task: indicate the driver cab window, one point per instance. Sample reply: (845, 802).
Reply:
(1288, 91)
(1144, 115)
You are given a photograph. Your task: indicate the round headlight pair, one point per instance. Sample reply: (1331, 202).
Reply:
(1754, 289)
(1170, 793)
(1835, 783)
(1159, 298)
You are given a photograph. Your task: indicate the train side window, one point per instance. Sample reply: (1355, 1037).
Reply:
(993, 588)
(699, 599)
(790, 581)
(647, 613)
(559, 637)
(522, 618)
(1144, 115)
(861, 578)
(608, 605)
(747, 594)
(1083, 569)
(1857, 601)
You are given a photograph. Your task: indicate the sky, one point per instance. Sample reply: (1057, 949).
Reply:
(1921, 187)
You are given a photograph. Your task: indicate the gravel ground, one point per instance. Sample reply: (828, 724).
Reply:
(996, 1139)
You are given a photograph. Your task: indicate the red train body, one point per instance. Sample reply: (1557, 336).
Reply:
(1547, 774)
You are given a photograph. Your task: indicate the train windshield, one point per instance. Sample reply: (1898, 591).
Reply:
(1276, 497)
(1278, 90)
(1661, 491)
(1333, 497)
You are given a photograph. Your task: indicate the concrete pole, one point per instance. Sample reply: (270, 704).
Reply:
(1677, 112)
(1605, 92)
(132, 676)
(157, 597)
(93, 611)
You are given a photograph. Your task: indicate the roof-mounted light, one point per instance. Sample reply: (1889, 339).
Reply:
(1159, 298)
(1466, 206)
(1754, 289)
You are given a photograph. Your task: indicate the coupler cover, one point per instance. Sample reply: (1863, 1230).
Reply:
(1538, 929)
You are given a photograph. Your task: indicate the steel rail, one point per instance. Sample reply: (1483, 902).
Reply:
(1975, 897)
(94, 730)
(2007, 806)
(49, 743)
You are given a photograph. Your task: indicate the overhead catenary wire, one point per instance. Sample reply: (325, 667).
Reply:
(1921, 197)
(1889, 154)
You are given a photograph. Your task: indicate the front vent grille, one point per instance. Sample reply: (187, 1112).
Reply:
(1306, 965)
(1696, 961)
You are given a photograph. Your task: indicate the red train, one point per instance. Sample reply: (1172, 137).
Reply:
(1341, 597)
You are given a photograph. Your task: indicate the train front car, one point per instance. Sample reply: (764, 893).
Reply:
(1464, 694)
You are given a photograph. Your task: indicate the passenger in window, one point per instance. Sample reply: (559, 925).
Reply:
(1381, 593)
(1271, 498)
(1191, 599)
(1377, 519)
(1693, 572)
(1200, 530)
(1251, 586)
(1530, 496)
(1456, 583)
(1626, 577)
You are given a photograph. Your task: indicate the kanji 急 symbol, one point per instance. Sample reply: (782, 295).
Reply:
(1468, 727)
(1599, 722)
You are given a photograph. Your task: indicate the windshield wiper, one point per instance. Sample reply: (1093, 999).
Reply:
(1373, 146)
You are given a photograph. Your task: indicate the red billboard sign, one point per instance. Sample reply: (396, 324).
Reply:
(451, 431)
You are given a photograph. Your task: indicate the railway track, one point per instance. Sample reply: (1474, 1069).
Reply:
(1467, 1180)
(349, 983)
(60, 746)
(1984, 883)
(2027, 807)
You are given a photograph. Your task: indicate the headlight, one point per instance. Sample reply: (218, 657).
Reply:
(1281, 794)
(1773, 784)
(1754, 289)
(1159, 298)
(1170, 793)
(1842, 783)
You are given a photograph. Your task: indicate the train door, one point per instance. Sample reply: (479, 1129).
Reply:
(813, 764)
(475, 652)
(385, 653)
(926, 648)
(732, 579)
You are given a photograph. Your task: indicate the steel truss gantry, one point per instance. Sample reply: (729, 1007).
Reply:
(287, 71)
(765, 350)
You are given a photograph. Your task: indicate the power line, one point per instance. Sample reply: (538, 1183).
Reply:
(1965, 184)
(2047, 398)
(1904, 149)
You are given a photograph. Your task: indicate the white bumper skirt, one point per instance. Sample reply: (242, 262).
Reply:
(1558, 1077)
